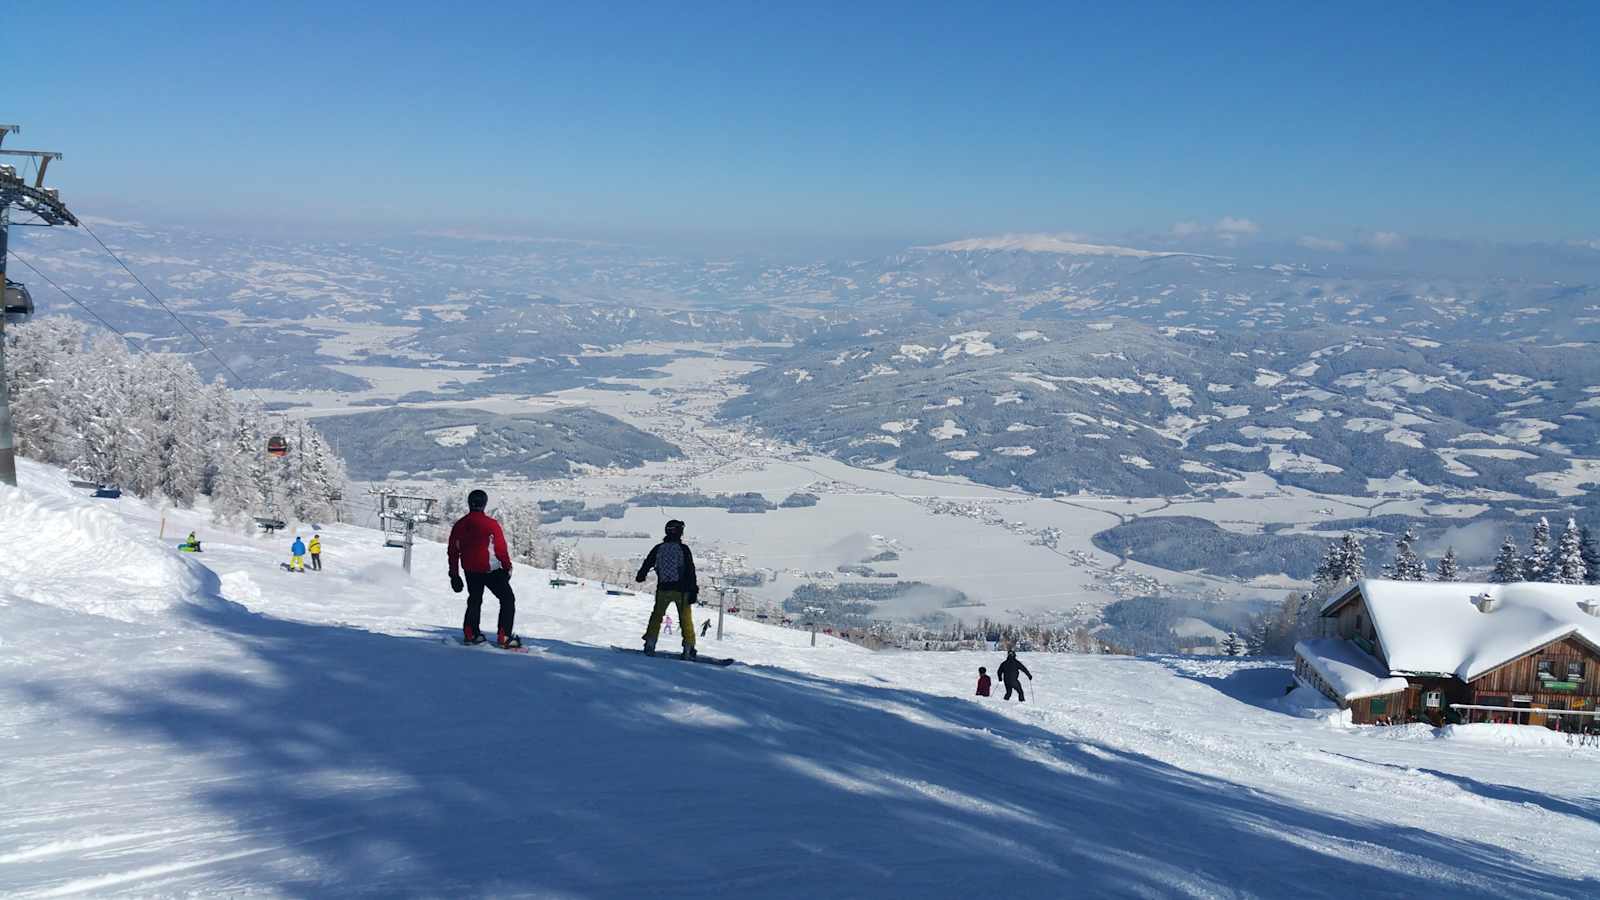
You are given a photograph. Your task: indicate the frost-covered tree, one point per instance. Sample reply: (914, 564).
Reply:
(1449, 569)
(1231, 645)
(1507, 565)
(1568, 566)
(1407, 565)
(1343, 563)
(1538, 565)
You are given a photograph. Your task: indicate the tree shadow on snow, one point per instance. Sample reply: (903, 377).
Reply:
(1261, 686)
(347, 762)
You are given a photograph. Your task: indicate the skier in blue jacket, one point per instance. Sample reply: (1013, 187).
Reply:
(297, 553)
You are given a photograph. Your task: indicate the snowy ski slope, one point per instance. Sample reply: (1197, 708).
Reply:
(181, 725)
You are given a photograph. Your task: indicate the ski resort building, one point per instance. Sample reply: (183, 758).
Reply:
(1411, 651)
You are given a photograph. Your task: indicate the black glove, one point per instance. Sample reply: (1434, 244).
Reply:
(455, 583)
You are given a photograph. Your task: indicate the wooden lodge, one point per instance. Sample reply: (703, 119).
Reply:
(1441, 652)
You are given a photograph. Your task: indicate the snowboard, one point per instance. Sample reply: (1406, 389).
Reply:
(663, 654)
(492, 646)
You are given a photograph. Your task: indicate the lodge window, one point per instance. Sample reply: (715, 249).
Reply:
(1433, 699)
(1560, 670)
(1378, 707)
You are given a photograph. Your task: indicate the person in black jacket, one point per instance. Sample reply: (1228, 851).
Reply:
(675, 586)
(1008, 673)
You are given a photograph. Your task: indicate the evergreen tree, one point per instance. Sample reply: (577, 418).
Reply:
(1448, 568)
(1538, 564)
(1231, 645)
(1259, 636)
(1508, 565)
(1591, 555)
(1568, 565)
(1407, 565)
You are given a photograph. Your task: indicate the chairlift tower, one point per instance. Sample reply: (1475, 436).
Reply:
(399, 515)
(45, 205)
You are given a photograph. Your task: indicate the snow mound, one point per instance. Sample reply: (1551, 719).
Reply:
(63, 553)
(1505, 735)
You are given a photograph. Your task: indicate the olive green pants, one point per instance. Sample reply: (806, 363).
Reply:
(685, 606)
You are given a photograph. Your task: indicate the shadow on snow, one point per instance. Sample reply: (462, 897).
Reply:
(366, 763)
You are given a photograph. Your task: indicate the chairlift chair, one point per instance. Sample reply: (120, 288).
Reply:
(277, 446)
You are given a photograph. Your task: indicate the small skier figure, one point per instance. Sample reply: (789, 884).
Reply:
(316, 552)
(478, 547)
(192, 545)
(1008, 673)
(983, 682)
(297, 553)
(666, 625)
(705, 628)
(675, 586)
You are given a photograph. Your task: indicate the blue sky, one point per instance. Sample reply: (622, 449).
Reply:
(852, 120)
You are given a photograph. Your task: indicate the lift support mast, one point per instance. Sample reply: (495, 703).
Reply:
(44, 204)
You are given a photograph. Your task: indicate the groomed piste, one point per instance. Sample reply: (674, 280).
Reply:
(209, 725)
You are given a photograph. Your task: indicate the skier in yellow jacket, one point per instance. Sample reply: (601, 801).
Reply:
(316, 552)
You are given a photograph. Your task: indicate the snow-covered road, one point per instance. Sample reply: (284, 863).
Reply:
(175, 725)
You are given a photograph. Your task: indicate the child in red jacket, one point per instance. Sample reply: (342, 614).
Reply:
(983, 682)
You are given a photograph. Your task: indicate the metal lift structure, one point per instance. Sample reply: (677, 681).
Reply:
(45, 206)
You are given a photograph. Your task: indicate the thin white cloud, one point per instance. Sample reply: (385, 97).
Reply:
(1232, 225)
(1228, 228)
(1591, 245)
(1325, 245)
(1385, 240)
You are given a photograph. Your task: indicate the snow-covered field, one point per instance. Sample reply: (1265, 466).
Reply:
(205, 725)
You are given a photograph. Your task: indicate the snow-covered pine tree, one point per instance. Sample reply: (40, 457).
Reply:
(1259, 636)
(1407, 565)
(171, 392)
(1538, 564)
(1569, 566)
(236, 482)
(1449, 569)
(46, 387)
(1507, 565)
(1591, 554)
(1231, 645)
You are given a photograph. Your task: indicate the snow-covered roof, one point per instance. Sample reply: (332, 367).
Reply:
(1431, 627)
(1351, 673)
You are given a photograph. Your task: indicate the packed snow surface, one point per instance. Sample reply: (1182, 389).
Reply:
(181, 725)
(1434, 627)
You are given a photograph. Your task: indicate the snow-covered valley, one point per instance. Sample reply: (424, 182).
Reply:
(202, 725)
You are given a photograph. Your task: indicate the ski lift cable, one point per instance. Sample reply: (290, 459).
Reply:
(86, 308)
(184, 325)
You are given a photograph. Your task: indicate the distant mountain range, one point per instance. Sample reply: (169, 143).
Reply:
(1052, 363)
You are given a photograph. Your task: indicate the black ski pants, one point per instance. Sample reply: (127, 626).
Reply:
(316, 562)
(1015, 686)
(499, 584)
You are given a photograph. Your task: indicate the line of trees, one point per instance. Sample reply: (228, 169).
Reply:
(147, 423)
(1571, 559)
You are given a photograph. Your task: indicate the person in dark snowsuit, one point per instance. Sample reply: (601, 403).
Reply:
(675, 586)
(983, 682)
(1008, 674)
(478, 548)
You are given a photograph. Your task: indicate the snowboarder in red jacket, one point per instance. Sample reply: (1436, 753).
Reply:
(983, 682)
(478, 546)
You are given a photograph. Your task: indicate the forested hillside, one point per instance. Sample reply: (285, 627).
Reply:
(84, 401)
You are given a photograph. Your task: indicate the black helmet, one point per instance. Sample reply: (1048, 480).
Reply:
(477, 501)
(675, 528)
(1011, 653)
